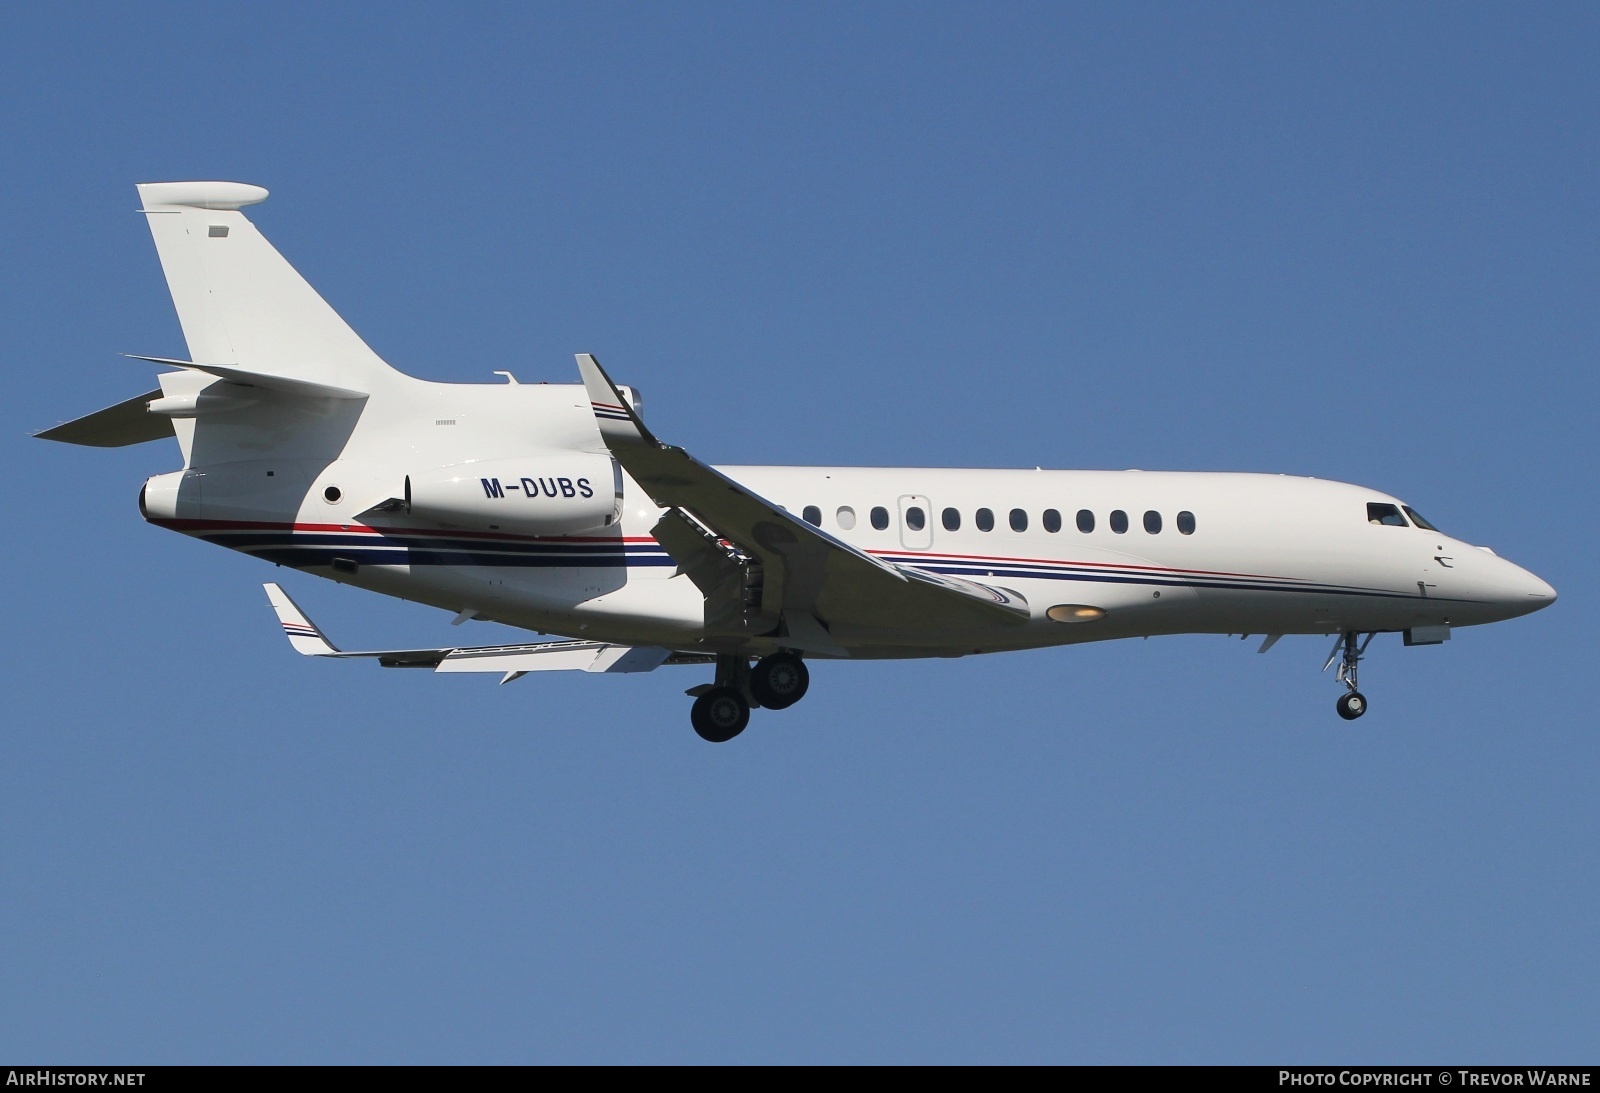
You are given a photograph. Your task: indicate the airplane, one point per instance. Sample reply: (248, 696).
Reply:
(555, 509)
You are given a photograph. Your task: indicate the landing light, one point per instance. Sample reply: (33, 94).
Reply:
(1075, 612)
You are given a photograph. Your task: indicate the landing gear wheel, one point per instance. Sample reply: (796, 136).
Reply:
(1349, 649)
(719, 715)
(779, 681)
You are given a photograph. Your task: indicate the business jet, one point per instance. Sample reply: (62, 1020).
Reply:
(555, 509)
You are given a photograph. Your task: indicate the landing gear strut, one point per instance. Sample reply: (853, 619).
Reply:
(1349, 650)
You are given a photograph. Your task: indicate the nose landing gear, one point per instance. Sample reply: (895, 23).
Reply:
(1348, 651)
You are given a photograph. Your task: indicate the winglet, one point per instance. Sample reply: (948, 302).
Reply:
(303, 633)
(612, 414)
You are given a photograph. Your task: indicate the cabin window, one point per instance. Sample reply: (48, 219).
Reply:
(880, 517)
(1119, 521)
(951, 518)
(1051, 521)
(812, 515)
(1387, 515)
(1152, 522)
(1416, 518)
(1186, 523)
(984, 519)
(846, 517)
(1085, 521)
(916, 519)
(1019, 519)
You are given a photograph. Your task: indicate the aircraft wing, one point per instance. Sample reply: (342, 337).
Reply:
(512, 661)
(811, 581)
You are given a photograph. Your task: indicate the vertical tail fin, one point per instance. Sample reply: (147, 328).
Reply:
(238, 301)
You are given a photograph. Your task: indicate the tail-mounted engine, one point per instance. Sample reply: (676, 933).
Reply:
(559, 494)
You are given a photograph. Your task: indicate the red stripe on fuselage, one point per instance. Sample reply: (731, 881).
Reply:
(906, 557)
(363, 529)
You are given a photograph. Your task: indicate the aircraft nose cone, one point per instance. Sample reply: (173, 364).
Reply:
(1541, 592)
(1523, 592)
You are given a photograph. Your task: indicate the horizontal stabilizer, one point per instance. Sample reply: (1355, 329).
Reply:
(283, 385)
(129, 422)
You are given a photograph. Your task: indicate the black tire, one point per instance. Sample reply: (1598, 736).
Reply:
(719, 715)
(1352, 705)
(779, 681)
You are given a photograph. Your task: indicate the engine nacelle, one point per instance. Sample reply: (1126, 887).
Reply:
(563, 494)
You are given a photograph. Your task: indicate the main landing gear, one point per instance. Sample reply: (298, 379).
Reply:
(722, 710)
(779, 681)
(720, 714)
(1349, 650)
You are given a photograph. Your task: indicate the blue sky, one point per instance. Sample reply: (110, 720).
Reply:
(1354, 241)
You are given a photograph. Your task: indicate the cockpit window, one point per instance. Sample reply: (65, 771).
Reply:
(1416, 518)
(1380, 513)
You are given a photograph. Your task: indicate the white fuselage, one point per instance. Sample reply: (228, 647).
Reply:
(1156, 552)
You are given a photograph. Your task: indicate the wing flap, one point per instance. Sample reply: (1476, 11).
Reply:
(556, 656)
(508, 660)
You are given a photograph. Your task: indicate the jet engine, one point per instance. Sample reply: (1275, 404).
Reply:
(556, 494)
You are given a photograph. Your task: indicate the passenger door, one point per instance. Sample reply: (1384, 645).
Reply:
(916, 522)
